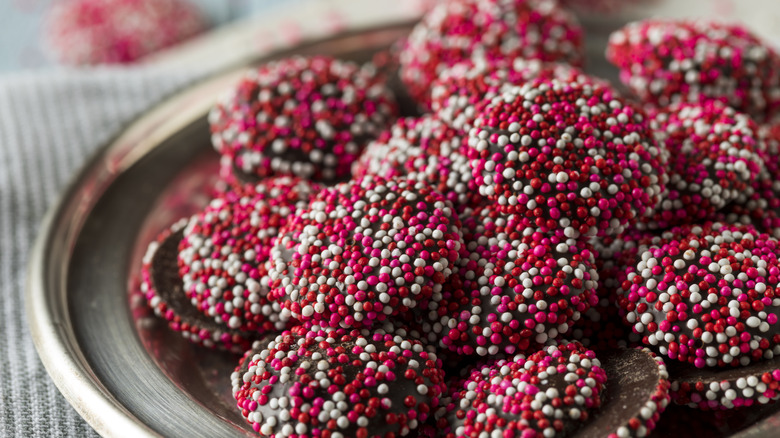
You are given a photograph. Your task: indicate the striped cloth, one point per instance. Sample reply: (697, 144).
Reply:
(49, 124)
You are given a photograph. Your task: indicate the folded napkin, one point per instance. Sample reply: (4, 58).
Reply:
(50, 123)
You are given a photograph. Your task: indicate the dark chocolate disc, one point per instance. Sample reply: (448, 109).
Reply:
(340, 383)
(364, 251)
(706, 295)
(163, 289)
(552, 393)
(567, 156)
(713, 158)
(226, 246)
(462, 91)
(637, 392)
(308, 117)
(422, 149)
(514, 298)
(668, 60)
(246, 358)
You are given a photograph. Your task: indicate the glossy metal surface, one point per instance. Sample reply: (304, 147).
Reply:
(120, 367)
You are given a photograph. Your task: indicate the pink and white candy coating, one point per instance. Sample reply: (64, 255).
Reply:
(226, 247)
(714, 156)
(308, 117)
(550, 393)
(175, 309)
(461, 92)
(567, 156)
(519, 288)
(749, 389)
(706, 295)
(364, 251)
(665, 61)
(760, 201)
(339, 383)
(502, 30)
(422, 149)
(601, 327)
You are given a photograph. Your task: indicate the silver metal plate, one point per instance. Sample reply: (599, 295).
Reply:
(119, 366)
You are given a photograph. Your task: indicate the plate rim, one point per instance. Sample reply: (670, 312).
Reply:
(48, 315)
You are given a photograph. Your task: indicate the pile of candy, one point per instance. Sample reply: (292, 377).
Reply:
(503, 264)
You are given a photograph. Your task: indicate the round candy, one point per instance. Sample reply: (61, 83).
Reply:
(225, 248)
(551, 393)
(519, 289)
(422, 149)
(338, 383)
(707, 297)
(457, 30)
(363, 251)
(665, 61)
(752, 385)
(462, 91)
(635, 396)
(89, 32)
(567, 156)
(713, 157)
(308, 117)
(162, 286)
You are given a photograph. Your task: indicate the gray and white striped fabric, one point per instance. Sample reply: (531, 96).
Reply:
(50, 123)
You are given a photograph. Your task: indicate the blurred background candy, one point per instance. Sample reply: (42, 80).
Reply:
(89, 32)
